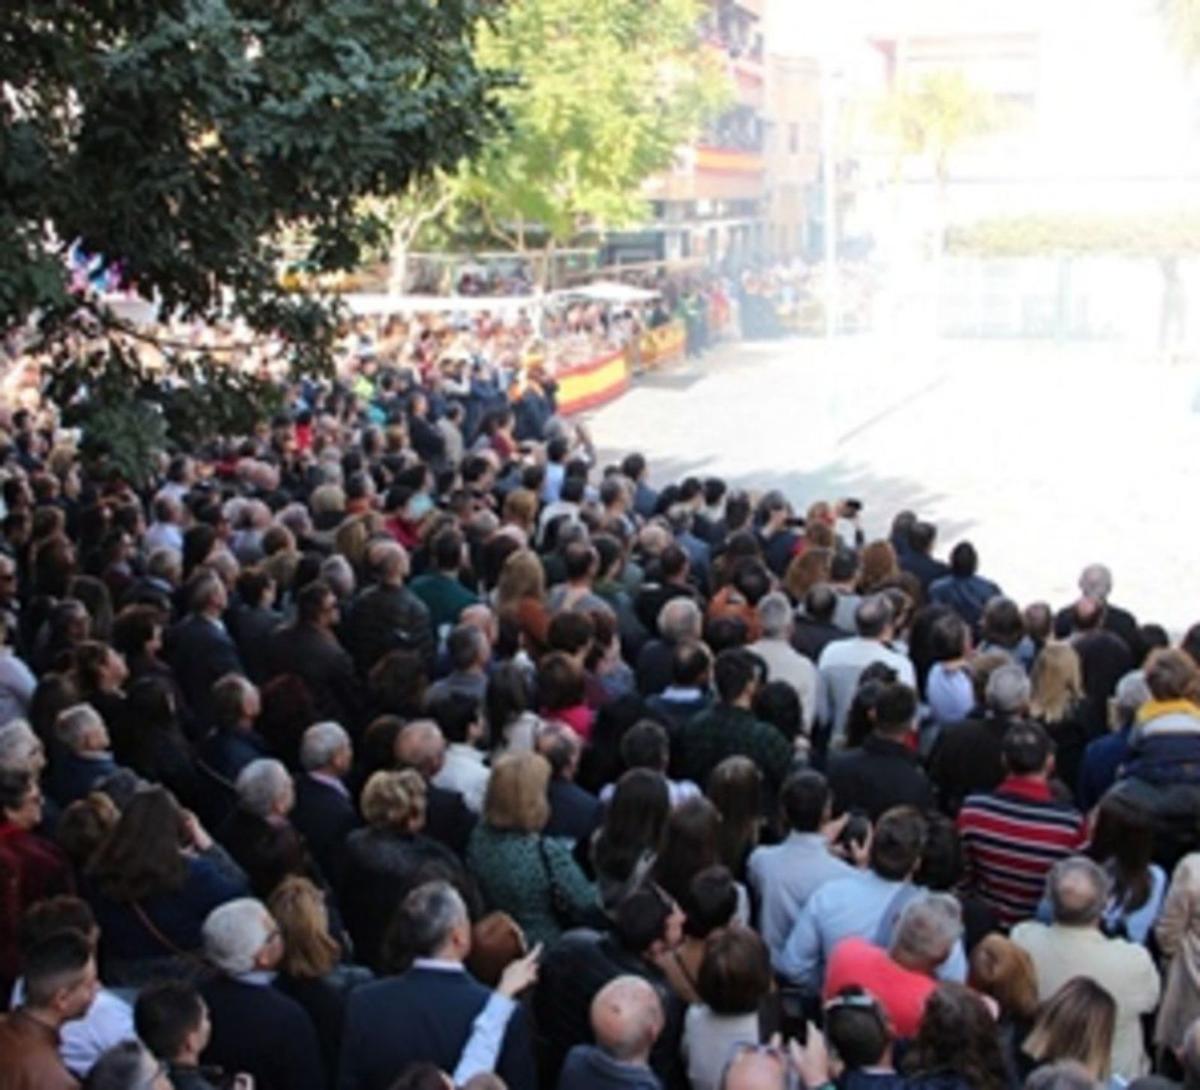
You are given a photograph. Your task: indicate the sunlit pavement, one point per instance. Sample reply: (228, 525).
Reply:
(1046, 458)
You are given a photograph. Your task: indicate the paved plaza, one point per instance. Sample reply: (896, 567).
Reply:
(1047, 458)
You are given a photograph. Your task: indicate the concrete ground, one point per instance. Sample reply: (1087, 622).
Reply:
(1047, 458)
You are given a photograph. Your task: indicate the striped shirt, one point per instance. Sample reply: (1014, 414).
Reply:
(1011, 837)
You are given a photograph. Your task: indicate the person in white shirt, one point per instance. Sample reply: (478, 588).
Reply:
(465, 771)
(843, 661)
(784, 662)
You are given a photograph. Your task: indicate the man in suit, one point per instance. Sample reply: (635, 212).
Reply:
(388, 616)
(310, 647)
(255, 1027)
(426, 1013)
(421, 745)
(324, 811)
(199, 648)
(86, 757)
(574, 813)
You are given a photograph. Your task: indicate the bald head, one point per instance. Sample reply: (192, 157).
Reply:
(750, 1070)
(627, 1018)
(420, 745)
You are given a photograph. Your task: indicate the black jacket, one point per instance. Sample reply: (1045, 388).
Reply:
(316, 657)
(259, 1030)
(387, 618)
(967, 758)
(325, 817)
(877, 776)
(574, 813)
(201, 652)
(424, 1014)
(447, 819)
(252, 630)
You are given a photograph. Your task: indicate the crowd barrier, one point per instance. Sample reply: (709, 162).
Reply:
(583, 386)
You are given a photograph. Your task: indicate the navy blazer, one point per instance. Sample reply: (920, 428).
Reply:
(201, 652)
(424, 1014)
(72, 776)
(325, 817)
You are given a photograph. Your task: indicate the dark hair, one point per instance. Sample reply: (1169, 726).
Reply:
(898, 842)
(633, 823)
(941, 866)
(778, 703)
(507, 696)
(165, 1012)
(134, 627)
(1002, 623)
(735, 973)
(820, 602)
(15, 785)
(710, 902)
(860, 718)
(948, 637)
(735, 788)
(958, 1036)
(560, 682)
(1123, 842)
(633, 466)
(726, 633)
(570, 631)
(646, 745)
(44, 965)
(803, 800)
(119, 1067)
(921, 536)
(734, 670)
(895, 708)
(311, 600)
(48, 917)
(142, 857)
(673, 561)
(964, 561)
(1025, 748)
(252, 584)
(856, 1027)
(640, 918)
(454, 713)
(690, 845)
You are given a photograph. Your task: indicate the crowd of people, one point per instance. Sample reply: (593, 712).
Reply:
(403, 745)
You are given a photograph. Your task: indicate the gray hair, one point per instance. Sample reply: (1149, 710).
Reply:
(680, 619)
(775, 615)
(261, 784)
(929, 927)
(1063, 1075)
(235, 932)
(338, 573)
(75, 723)
(225, 564)
(1096, 581)
(166, 564)
(873, 615)
(320, 744)
(1070, 902)
(430, 913)
(1007, 690)
(559, 744)
(295, 518)
(1131, 693)
(18, 744)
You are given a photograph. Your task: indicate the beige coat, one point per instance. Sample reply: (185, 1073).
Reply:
(1124, 969)
(1178, 934)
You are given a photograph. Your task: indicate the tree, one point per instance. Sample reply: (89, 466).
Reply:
(180, 138)
(1182, 23)
(608, 91)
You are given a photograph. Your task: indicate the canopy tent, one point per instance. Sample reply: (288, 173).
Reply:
(609, 291)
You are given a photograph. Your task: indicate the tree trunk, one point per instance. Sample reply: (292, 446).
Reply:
(398, 258)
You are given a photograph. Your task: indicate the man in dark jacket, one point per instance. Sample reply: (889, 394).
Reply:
(883, 772)
(574, 813)
(324, 812)
(964, 590)
(199, 648)
(627, 1017)
(255, 1027)
(918, 558)
(308, 647)
(814, 628)
(1096, 583)
(1104, 659)
(388, 616)
(427, 1012)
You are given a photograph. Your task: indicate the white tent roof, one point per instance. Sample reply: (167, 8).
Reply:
(610, 291)
(380, 303)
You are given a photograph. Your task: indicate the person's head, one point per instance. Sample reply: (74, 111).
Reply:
(420, 745)
(560, 682)
(756, 1067)
(317, 605)
(325, 747)
(647, 921)
(635, 819)
(775, 616)
(20, 748)
(561, 747)
(735, 972)
(298, 907)
(710, 902)
(447, 550)
(691, 843)
(1069, 1075)
(264, 788)
(927, 932)
(1078, 890)
(964, 561)
(949, 638)
(1076, 1023)
(240, 937)
(128, 1065)
(878, 566)
(1123, 838)
(1027, 750)
(1056, 682)
(395, 800)
(735, 788)
(81, 729)
(737, 675)
(1007, 693)
(1131, 693)
(897, 843)
(207, 594)
(1002, 623)
(432, 922)
(646, 745)
(171, 1020)
(895, 710)
(627, 1017)
(680, 619)
(60, 976)
(873, 618)
(84, 825)
(468, 648)
(459, 717)
(142, 856)
(516, 793)
(571, 633)
(958, 1035)
(236, 703)
(1171, 675)
(857, 1029)
(1001, 969)
(1096, 582)
(20, 798)
(804, 801)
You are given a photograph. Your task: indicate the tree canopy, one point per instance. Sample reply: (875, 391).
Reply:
(179, 138)
(607, 93)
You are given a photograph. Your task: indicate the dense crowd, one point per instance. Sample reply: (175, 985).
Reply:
(403, 745)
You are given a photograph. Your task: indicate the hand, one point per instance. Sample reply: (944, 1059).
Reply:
(831, 830)
(860, 850)
(519, 974)
(197, 835)
(811, 1060)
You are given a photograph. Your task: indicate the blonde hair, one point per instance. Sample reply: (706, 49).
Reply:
(299, 910)
(520, 508)
(394, 799)
(1056, 682)
(1002, 969)
(522, 576)
(516, 793)
(1076, 1023)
